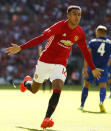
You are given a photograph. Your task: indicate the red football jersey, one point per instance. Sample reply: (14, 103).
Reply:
(60, 40)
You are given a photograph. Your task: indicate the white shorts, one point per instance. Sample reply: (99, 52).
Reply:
(45, 71)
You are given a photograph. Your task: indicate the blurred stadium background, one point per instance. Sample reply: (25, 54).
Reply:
(22, 20)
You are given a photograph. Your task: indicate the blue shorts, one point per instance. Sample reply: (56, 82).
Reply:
(104, 76)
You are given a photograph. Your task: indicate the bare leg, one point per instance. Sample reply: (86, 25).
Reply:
(33, 86)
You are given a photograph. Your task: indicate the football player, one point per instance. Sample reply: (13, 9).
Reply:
(100, 49)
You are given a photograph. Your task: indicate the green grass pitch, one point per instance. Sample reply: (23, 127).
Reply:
(25, 111)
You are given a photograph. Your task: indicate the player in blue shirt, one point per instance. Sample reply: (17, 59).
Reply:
(100, 48)
(109, 75)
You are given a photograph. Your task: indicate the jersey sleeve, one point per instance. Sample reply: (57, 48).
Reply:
(90, 45)
(35, 41)
(84, 49)
(54, 29)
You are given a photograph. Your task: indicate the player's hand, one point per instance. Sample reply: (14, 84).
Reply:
(13, 50)
(85, 74)
(97, 73)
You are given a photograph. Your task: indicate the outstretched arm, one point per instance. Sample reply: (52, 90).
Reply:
(13, 49)
(36, 41)
(54, 29)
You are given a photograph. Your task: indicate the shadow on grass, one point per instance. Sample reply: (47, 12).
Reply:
(30, 129)
(94, 112)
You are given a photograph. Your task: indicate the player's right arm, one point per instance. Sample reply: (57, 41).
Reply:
(16, 48)
(13, 49)
(55, 29)
(83, 46)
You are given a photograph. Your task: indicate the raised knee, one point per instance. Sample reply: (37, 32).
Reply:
(35, 87)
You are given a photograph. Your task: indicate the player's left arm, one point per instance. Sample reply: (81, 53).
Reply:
(85, 74)
(84, 49)
(90, 51)
(85, 63)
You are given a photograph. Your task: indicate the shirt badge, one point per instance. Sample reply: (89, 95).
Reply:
(76, 38)
(64, 34)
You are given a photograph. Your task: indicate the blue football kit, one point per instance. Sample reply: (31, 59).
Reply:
(101, 51)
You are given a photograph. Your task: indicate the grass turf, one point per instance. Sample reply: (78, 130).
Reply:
(25, 111)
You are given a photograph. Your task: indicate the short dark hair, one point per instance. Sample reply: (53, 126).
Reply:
(71, 7)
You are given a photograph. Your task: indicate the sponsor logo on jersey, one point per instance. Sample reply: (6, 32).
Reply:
(63, 45)
(66, 42)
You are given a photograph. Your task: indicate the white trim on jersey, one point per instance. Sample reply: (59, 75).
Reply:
(49, 42)
(101, 40)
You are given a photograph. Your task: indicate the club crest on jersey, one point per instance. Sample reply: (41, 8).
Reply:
(66, 42)
(64, 34)
(76, 38)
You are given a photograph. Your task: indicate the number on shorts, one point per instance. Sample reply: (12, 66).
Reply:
(64, 72)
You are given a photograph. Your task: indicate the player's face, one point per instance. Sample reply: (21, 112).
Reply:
(74, 16)
(100, 34)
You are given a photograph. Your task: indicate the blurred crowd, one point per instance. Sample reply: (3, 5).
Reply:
(22, 20)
